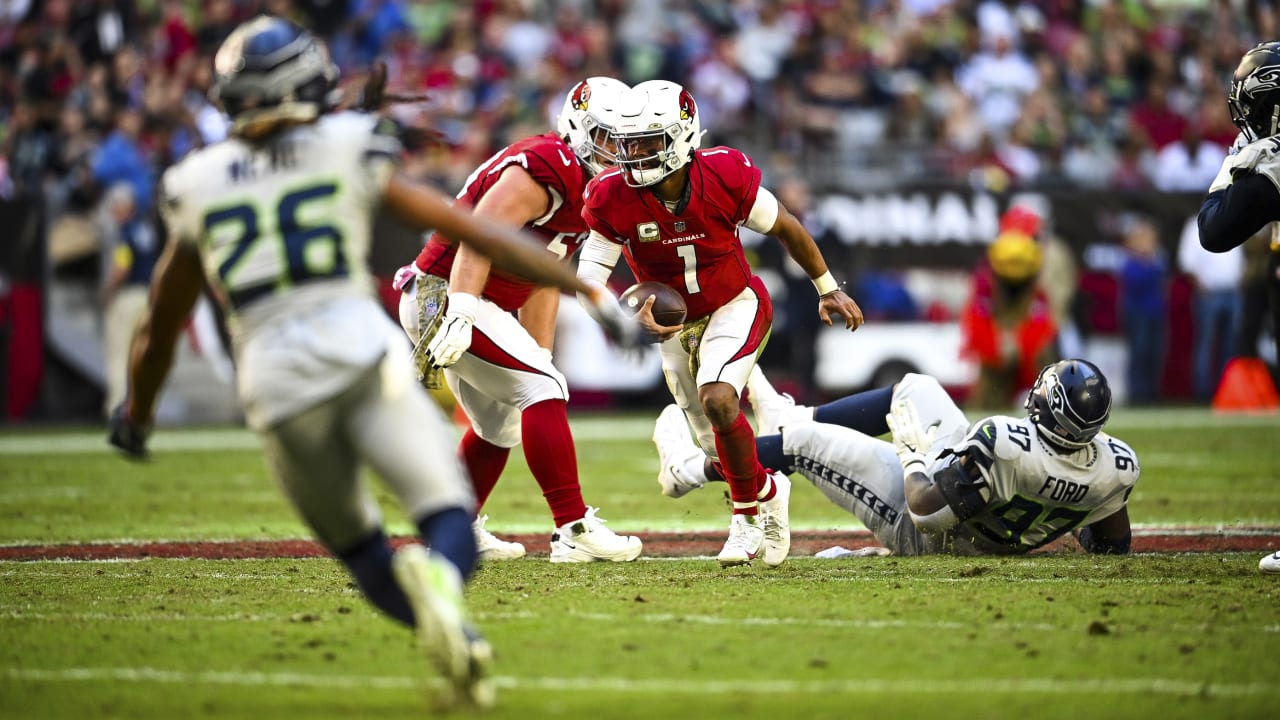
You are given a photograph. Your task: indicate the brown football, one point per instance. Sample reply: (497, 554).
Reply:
(668, 306)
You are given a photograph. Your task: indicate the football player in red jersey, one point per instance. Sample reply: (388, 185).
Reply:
(499, 367)
(674, 210)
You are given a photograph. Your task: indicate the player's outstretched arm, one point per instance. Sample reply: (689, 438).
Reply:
(175, 287)
(799, 244)
(505, 246)
(509, 249)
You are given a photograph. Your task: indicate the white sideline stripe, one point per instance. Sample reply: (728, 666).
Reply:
(585, 428)
(931, 686)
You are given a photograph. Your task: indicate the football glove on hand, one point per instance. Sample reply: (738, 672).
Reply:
(1260, 156)
(621, 326)
(127, 436)
(911, 441)
(454, 336)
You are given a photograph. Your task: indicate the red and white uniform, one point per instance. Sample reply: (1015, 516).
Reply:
(552, 164)
(505, 370)
(698, 252)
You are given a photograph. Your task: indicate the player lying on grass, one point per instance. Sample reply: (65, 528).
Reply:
(1003, 485)
(276, 220)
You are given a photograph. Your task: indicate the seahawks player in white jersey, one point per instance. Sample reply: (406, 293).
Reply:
(1004, 485)
(276, 220)
(1245, 195)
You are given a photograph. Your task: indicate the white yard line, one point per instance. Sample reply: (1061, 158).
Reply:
(923, 686)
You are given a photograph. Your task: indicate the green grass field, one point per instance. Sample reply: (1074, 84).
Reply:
(1058, 635)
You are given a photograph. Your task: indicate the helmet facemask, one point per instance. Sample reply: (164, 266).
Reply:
(585, 122)
(646, 158)
(657, 133)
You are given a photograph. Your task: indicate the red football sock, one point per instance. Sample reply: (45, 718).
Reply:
(740, 465)
(484, 461)
(767, 489)
(548, 448)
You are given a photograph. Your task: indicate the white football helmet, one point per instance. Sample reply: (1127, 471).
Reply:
(586, 121)
(657, 131)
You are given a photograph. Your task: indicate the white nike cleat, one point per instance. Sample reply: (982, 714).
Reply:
(773, 409)
(1271, 563)
(775, 520)
(677, 453)
(433, 587)
(745, 538)
(490, 547)
(588, 540)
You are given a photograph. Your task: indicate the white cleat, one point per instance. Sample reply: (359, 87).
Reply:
(588, 540)
(490, 547)
(433, 587)
(773, 409)
(745, 538)
(775, 520)
(676, 452)
(1270, 564)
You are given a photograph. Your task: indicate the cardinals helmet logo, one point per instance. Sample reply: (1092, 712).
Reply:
(581, 96)
(688, 108)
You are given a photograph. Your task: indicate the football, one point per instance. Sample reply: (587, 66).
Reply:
(668, 306)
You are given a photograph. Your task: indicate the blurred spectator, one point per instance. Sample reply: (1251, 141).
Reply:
(1216, 279)
(1259, 268)
(130, 249)
(1007, 325)
(1188, 165)
(1158, 124)
(998, 78)
(1144, 279)
(120, 159)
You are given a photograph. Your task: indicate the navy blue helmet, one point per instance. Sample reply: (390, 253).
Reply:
(270, 71)
(1254, 97)
(1069, 403)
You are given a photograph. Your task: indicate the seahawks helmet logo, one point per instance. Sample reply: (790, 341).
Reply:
(1264, 78)
(688, 108)
(581, 96)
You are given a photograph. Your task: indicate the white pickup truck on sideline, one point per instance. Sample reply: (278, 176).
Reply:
(880, 354)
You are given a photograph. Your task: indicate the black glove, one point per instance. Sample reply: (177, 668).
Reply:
(127, 436)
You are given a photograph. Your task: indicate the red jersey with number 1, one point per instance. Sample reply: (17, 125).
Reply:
(553, 166)
(697, 251)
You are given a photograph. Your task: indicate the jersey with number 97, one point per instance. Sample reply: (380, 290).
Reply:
(1036, 493)
(292, 211)
(551, 164)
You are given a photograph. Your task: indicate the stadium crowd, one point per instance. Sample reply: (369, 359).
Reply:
(1047, 93)
(98, 97)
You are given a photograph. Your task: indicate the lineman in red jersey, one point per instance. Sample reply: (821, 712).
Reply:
(674, 211)
(499, 367)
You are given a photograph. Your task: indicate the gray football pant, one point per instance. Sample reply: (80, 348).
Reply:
(862, 474)
(381, 420)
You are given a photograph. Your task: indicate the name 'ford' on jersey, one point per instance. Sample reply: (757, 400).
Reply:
(1037, 493)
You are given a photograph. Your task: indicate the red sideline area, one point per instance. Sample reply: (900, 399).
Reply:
(666, 544)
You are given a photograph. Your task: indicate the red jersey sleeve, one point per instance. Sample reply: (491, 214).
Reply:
(553, 166)
(594, 203)
(737, 174)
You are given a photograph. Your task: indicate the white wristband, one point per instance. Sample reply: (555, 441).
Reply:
(463, 305)
(825, 284)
